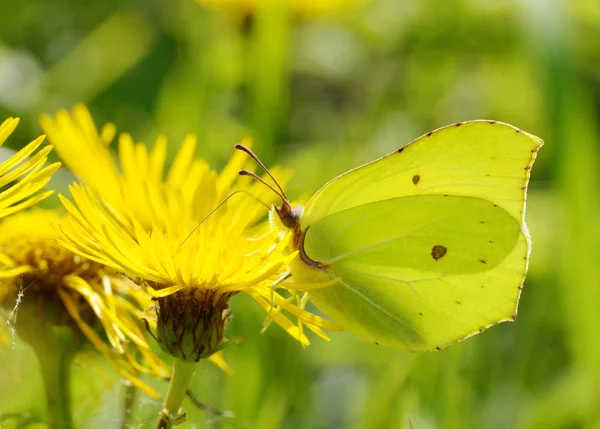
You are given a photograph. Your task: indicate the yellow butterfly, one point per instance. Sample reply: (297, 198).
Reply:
(429, 243)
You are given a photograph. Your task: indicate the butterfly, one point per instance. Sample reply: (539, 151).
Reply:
(428, 244)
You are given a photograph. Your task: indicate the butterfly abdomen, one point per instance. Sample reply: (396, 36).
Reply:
(299, 237)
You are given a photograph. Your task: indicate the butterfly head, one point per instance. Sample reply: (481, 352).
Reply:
(289, 216)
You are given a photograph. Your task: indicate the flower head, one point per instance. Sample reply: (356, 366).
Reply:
(192, 239)
(23, 175)
(299, 7)
(64, 289)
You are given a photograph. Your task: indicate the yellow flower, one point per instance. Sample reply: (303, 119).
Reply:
(193, 239)
(23, 175)
(65, 289)
(299, 7)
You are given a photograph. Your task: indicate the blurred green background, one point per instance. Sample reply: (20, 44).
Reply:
(325, 86)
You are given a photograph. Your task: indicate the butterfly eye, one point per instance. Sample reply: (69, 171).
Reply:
(289, 219)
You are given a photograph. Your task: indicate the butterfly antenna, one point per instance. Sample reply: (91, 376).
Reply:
(241, 191)
(255, 176)
(252, 155)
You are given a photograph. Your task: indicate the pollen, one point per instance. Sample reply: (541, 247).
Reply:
(28, 241)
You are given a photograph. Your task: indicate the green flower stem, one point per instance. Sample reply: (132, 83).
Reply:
(180, 380)
(270, 75)
(129, 398)
(55, 353)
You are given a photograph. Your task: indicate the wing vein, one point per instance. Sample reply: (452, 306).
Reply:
(378, 307)
(379, 243)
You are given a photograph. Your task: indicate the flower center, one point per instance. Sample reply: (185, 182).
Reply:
(49, 263)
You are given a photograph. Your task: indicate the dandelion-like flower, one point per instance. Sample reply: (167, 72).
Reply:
(299, 7)
(23, 175)
(192, 239)
(64, 289)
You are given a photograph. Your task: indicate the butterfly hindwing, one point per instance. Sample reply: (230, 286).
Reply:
(419, 282)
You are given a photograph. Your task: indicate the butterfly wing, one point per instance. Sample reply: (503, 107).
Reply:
(427, 261)
(419, 282)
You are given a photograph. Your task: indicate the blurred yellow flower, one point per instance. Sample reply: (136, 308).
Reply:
(23, 175)
(66, 289)
(298, 7)
(193, 239)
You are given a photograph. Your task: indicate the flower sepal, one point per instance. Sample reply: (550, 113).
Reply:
(230, 342)
(191, 323)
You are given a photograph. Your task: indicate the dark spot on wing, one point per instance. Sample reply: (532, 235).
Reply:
(491, 241)
(458, 302)
(482, 261)
(438, 348)
(400, 150)
(416, 179)
(429, 133)
(492, 122)
(518, 130)
(376, 343)
(482, 222)
(420, 314)
(438, 252)
(514, 317)
(458, 124)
